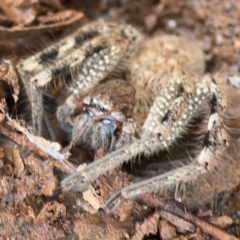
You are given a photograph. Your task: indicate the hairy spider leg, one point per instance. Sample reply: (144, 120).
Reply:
(215, 141)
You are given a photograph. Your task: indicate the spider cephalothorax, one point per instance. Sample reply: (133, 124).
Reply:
(109, 106)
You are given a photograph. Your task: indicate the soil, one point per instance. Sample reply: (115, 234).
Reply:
(32, 204)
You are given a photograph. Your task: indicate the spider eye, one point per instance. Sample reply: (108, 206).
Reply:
(102, 109)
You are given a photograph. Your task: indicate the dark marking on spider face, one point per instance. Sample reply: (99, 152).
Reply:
(96, 106)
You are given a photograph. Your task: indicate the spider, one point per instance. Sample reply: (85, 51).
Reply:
(128, 96)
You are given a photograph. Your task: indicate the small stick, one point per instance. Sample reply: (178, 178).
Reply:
(64, 166)
(172, 207)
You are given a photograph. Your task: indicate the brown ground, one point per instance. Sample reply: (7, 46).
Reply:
(32, 205)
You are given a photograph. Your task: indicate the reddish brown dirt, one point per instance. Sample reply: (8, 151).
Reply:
(32, 205)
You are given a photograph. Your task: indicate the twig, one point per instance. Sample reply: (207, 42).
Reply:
(64, 166)
(172, 207)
